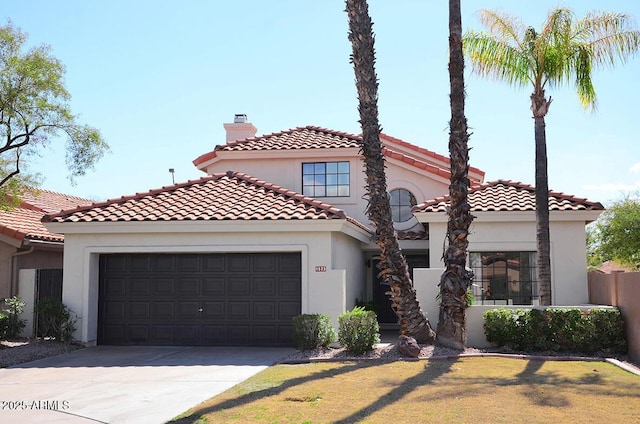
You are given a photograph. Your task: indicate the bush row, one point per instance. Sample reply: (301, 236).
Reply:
(556, 329)
(56, 320)
(358, 331)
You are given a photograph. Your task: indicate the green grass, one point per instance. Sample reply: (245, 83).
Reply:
(467, 390)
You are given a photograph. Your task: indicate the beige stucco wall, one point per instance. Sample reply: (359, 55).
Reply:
(328, 291)
(568, 249)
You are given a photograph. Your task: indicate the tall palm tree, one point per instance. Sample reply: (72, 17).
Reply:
(456, 280)
(566, 50)
(393, 265)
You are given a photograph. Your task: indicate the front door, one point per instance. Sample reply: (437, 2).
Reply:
(386, 315)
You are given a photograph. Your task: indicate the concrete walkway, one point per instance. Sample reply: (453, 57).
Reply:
(109, 384)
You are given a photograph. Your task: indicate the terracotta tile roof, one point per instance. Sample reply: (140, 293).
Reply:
(426, 152)
(506, 195)
(23, 222)
(300, 138)
(311, 137)
(233, 196)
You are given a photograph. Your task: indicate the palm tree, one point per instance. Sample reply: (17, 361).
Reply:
(393, 265)
(456, 280)
(565, 50)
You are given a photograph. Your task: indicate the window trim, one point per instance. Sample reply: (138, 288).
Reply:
(322, 185)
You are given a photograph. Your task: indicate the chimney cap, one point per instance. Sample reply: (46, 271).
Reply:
(240, 118)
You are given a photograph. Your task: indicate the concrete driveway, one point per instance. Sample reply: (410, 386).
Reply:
(113, 384)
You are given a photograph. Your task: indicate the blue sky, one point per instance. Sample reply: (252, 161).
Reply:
(159, 79)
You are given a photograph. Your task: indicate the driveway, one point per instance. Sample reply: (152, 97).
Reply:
(114, 384)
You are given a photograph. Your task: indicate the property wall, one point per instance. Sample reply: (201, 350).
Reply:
(568, 251)
(27, 292)
(621, 290)
(347, 255)
(328, 282)
(6, 250)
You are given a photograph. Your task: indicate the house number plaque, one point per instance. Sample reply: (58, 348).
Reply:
(321, 268)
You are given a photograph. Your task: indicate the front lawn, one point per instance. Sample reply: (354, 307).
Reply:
(465, 390)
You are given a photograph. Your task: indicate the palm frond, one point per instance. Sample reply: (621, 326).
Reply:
(493, 58)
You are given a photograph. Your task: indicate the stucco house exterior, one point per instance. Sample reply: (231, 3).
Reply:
(24, 240)
(278, 228)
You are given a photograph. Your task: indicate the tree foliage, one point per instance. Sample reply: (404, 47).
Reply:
(566, 50)
(34, 109)
(615, 236)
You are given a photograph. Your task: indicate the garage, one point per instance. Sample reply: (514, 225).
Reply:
(213, 299)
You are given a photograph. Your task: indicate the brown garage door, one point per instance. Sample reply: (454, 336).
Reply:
(245, 299)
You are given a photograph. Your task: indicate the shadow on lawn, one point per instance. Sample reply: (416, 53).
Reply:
(432, 370)
(271, 391)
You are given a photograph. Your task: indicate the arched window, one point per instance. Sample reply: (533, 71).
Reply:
(401, 203)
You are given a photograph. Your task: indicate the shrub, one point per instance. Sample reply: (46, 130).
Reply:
(311, 331)
(556, 329)
(55, 320)
(358, 330)
(10, 325)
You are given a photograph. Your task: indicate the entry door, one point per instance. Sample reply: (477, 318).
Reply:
(386, 315)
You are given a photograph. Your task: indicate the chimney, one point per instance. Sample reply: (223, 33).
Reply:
(240, 128)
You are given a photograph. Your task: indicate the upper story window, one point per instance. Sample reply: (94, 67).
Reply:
(325, 179)
(401, 203)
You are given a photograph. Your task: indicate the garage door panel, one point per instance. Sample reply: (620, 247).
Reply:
(213, 286)
(265, 286)
(140, 263)
(187, 334)
(290, 263)
(189, 310)
(213, 263)
(239, 310)
(138, 333)
(289, 286)
(287, 310)
(116, 286)
(188, 263)
(115, 310)
(164, 287)
(213, 334)
(188, 287)
(199, 299)
(162, 334)
(238, 263)
(239, 286)
(140, 287)
(164, 263)
(238, 335)
(214, 310)
(139, 310)
(264, 311)
(264, 334)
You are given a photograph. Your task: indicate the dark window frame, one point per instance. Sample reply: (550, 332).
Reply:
(326, 179)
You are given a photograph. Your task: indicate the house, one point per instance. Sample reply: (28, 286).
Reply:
(25, 243)
(278, 228)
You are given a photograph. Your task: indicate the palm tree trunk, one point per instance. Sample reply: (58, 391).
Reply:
(456, 280)
(393, 265)
(540, 107)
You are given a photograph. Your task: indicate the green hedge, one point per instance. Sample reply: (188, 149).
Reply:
(556, 329)
(358, 330)
(311, 331)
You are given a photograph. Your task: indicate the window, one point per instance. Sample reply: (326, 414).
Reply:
(401, 203)
(502, 278)
(325, 179)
